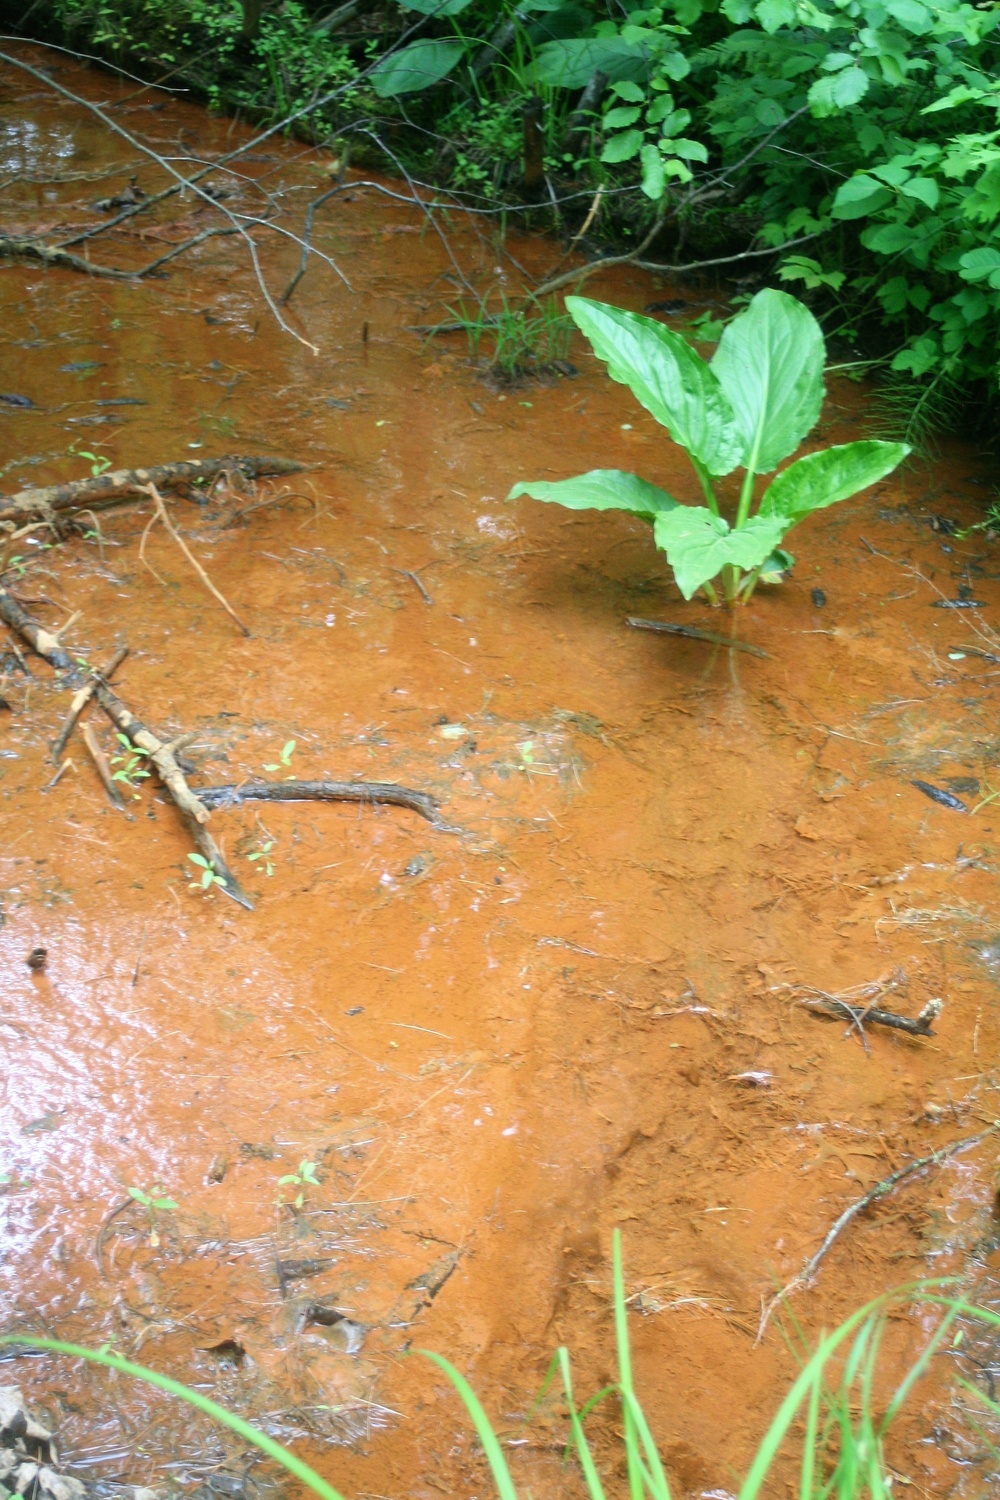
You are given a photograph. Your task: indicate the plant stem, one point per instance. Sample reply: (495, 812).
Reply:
(731, 583)
(746, 495)
(706, 484)
(713, 599)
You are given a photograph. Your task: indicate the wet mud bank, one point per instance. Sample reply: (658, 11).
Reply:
(590, 1004)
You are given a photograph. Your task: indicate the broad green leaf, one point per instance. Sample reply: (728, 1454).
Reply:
(911, 15)
(858, 196)
(571, 62)
(654, 178)
(823, 478)
(770, 365)
(416, 67)
(664, 373)
(622, 147)
(978, 264)
(620, 117)
(773, 14)
(924, 189)
(601, 489)
(699, 545)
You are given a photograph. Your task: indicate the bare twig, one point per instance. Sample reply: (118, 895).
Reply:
(425, 596)
(81, 700)
(935, 1159)
(692, 633)
(581, 273)
(100, 760)
(161, 511)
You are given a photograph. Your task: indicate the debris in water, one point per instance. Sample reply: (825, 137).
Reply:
(818, 598)
(27, 1453)
(36, 958)
(939, 795)
(10, 399)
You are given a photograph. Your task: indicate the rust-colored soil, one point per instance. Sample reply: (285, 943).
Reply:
(578, 1012)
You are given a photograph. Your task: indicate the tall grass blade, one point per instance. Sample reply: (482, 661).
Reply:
(275, 1450)
(625, 1368)
(491, 1446)
(594, 1487)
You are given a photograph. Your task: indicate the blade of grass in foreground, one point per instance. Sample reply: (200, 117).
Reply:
(268, 1445)
(481, 1422)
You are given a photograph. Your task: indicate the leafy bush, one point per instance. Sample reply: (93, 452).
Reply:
(750, 408)
(848, 147)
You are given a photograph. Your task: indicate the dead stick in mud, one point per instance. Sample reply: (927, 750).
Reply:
(161, 511)
(162, 755)
(119, 484)
(327, 791)
(935, 1159)
(82, 698)
(860, 1015)
(692, 633)
(100, 760)
(192, 810)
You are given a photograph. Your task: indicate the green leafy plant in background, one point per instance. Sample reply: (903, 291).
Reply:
(155, 1204)
(263, 855)
(829, 1411)
(749, 408)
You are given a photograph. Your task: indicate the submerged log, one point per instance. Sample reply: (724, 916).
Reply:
(120, 484)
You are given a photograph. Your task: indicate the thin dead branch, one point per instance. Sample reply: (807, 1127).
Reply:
(82, 698)
(161, 512)
(873, 1195)
(100, 760)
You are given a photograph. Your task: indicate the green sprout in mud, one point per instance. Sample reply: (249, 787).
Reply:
(285, 757)
(207, 877)
(155, 1203)
(130, 760)
(303, 1178)
(264, 855)
(15, 565)
(99, 463)
(750, 408)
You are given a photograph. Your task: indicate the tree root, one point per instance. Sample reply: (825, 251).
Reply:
(120, 484)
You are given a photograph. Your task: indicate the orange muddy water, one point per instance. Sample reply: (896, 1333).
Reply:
(580, 1011)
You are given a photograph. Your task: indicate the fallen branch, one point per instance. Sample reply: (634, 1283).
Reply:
(935, 1159)
(82, 698)
(23, 247)
(161, 512)
(692, 633)
(119, 484)
(162, 756)
(859, 1015)
(326, 791)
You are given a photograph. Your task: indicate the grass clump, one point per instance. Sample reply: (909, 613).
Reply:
(830, 1414)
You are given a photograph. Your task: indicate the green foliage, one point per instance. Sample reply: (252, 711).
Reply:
(155, 1204)
(302, 1179)
(286, 65)
(829, 1412)
(527, 339)
(750, 408)
(130, 762)
(206, 876)
(863, 135)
